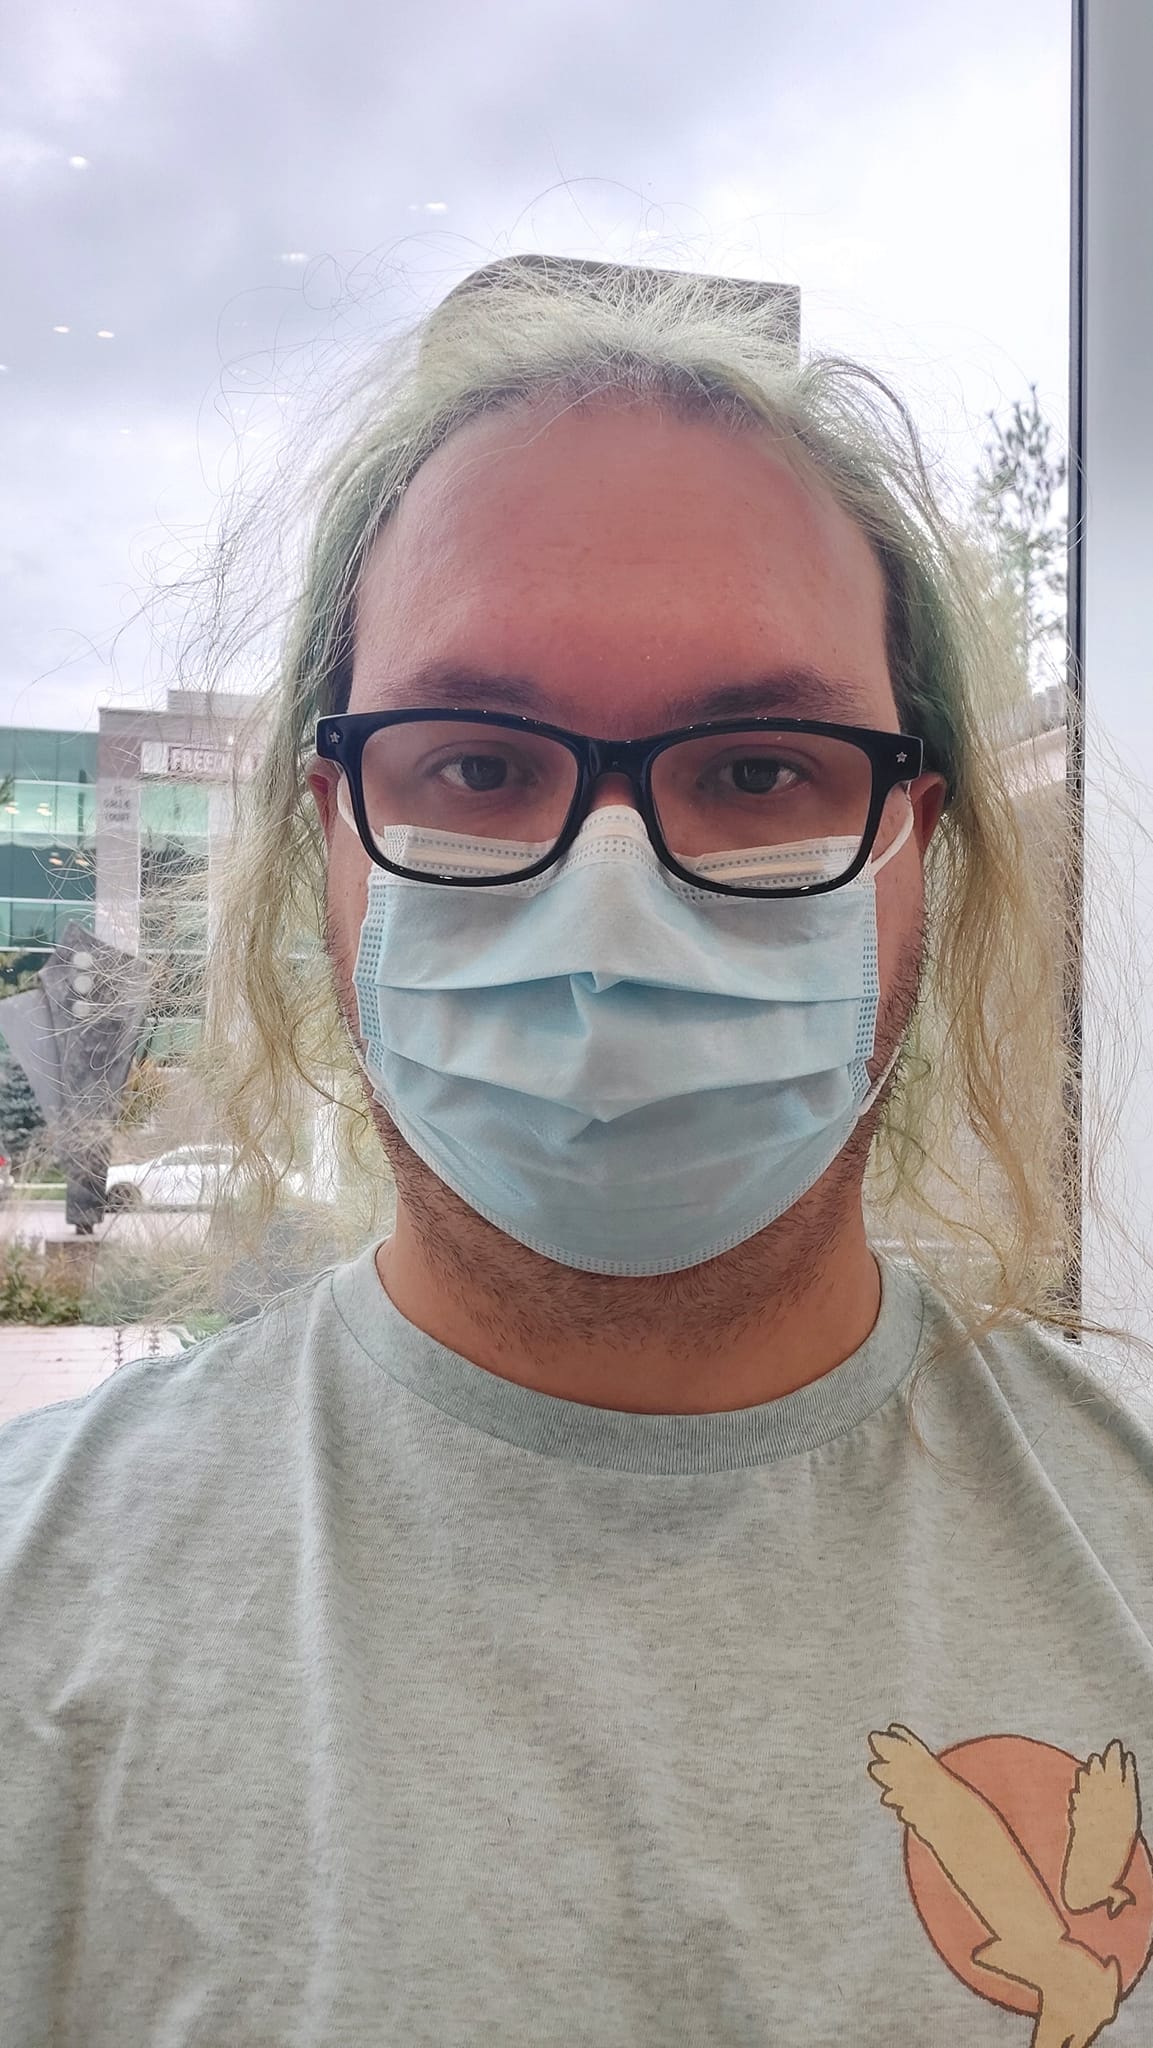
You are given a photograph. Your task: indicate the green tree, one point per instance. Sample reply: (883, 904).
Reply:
(1022, 522)
(20, 970)
(20, 1119)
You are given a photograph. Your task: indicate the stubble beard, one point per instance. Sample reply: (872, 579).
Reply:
(514, 1293)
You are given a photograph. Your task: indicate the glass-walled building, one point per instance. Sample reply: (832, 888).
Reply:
(121, 830)
(164, 816)
(47, 836)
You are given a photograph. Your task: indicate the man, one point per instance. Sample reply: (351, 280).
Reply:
(549, 1627)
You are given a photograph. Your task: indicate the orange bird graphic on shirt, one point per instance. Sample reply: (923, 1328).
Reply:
(1078, 1992)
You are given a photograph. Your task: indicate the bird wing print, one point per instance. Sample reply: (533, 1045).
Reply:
(985, 1863)
(1104, 1823)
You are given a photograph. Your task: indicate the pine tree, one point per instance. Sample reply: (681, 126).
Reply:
(20, 1119)
(1023, 524)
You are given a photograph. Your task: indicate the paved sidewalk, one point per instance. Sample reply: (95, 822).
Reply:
(41, 1366)
(38, 1223)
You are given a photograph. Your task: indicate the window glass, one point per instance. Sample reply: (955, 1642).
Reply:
(180, 312)
(76, 757)
(50, 870)
(33, 924)
(41, 923)
(153, 354)
(174, 810)
(1116, 549)
(30, 810)
(172, 1039)
(36, 754)
(173, 902)
(46, 755)
(48, 810)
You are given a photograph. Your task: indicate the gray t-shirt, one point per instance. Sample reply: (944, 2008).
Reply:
(352, 1695)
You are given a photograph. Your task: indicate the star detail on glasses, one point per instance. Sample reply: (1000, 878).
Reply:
(902, 757)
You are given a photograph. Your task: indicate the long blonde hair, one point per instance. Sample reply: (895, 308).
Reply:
(970, 1163)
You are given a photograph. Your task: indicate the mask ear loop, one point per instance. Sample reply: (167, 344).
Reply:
(344, 803)
(875, 866)
(875, 869)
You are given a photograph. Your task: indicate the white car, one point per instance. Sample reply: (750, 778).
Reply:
(187, 1178)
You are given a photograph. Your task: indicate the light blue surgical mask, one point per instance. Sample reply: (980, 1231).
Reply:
(626, 1074)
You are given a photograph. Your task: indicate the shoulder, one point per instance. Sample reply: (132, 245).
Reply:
(1077, 1393)
(146, 1431)
(1027, 1406)
(1087, 1409)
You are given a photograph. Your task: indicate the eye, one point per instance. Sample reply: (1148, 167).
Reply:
(482, 774)
(752, 774)
(762, 775)
(476, 771)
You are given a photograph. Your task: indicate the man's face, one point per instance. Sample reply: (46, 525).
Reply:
(615, 557)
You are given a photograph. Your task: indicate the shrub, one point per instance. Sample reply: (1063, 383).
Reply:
(28, 1294)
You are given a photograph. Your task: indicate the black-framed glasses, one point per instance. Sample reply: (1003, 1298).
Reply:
(744, 807)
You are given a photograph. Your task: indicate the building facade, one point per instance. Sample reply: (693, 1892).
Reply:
(48, 787)
(97, 828)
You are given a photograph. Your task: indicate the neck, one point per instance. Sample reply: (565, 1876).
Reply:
(764, 1319)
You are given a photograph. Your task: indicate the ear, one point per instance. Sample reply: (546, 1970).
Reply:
(927, 796)
(322, 778)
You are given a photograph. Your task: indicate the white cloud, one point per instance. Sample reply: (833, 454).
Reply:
(247, 225)
(21, 154)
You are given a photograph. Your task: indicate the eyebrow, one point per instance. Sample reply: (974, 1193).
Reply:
(796, 691)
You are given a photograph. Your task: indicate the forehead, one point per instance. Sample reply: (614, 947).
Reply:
(612, 558)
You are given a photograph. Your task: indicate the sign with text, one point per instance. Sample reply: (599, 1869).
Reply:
(186, 763)
(119, 807)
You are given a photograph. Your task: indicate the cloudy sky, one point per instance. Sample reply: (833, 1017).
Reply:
(207, 209)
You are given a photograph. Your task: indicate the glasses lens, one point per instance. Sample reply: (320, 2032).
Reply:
(764, 809)
(448, 798)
